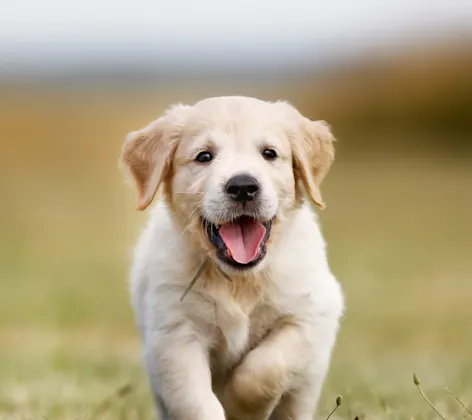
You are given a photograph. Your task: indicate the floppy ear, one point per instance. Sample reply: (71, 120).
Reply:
(148, 152)
(313, 154)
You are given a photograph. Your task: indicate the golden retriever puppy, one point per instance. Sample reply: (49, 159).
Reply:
(252, 338)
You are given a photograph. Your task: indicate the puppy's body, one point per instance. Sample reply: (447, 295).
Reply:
(244, 343)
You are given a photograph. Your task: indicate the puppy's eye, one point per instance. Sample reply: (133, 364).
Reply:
(269, 154)
(204, 157)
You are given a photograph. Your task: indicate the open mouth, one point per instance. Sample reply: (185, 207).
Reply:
(240, 243)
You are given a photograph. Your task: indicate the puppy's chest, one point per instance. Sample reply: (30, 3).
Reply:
(239, 328)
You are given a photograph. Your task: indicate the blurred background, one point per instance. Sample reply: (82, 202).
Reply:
(394, 80)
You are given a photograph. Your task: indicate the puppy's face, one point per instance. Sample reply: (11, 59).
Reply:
(231, 169)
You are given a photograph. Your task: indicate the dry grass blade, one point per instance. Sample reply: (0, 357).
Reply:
(416, 381)
(195, 278)
(458, 400)
(339, 400)
(224, 274)
(106, 404)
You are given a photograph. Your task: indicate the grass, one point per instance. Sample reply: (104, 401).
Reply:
(399, 232)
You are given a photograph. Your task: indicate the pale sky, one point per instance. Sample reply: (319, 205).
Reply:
(34, 32)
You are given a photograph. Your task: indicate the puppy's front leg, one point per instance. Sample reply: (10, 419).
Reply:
(179, 372)
(263, 376)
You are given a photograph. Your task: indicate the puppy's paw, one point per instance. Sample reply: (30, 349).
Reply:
(254, 390)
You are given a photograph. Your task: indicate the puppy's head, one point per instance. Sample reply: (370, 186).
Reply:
(231, 168)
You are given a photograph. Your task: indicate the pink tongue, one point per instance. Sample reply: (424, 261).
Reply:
(243, 239)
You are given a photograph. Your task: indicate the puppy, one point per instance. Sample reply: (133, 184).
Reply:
(252, 339)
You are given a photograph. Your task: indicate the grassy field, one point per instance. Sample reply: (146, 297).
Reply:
(400, 239)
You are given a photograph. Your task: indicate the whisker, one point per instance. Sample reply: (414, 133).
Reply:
(189, 221)
(192, 213)
(184, 230)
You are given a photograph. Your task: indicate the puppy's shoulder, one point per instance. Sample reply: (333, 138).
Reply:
(300, 242)
(158, 239)
(300, 270)
(158, 250)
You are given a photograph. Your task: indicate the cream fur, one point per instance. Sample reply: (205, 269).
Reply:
(257, 347)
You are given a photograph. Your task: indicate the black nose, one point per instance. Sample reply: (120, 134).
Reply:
(242, 188)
